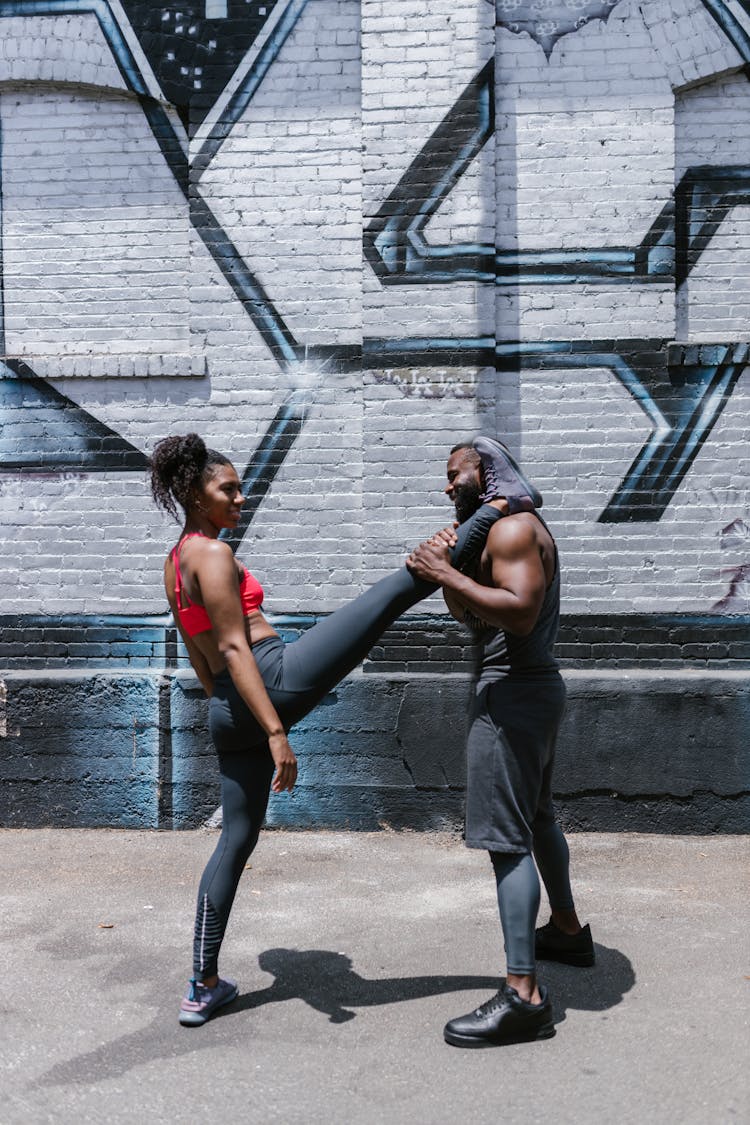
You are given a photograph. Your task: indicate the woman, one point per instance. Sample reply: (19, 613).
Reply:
(258, 686)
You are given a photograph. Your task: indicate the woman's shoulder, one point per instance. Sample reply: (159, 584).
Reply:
(201, 551)
(197, 543)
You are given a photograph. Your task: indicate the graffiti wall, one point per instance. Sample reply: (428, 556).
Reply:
(335, 237)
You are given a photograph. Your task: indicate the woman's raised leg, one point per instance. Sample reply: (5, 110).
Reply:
(327, 652)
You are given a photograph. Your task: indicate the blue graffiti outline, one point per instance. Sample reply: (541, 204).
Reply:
(670, 250)
(394, 241)
(246, 286)
(652, 260)
(667, 454)
(2, 229)
(268, 458)
(111, 451)
(101, 9)
(606, 264)
(669, 451)
(399, 254)
(717, 381)
(729, 24)
(90, 446)
(703, 198)
(248, 87)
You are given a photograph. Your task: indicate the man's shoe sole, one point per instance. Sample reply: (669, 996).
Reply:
(546, 1031)
(197, 1019)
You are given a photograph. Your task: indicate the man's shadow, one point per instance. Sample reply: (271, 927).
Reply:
(594, 989)
(327, 983)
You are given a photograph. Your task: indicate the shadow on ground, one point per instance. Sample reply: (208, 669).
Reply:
(327, 983)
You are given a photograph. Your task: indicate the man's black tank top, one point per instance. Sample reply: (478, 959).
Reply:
(505, 654)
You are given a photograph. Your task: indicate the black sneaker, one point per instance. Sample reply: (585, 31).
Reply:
(504, 1018)
(520, 504)
(503, 475)
(551, 944)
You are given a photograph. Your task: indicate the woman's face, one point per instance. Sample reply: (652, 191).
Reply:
(219, 498)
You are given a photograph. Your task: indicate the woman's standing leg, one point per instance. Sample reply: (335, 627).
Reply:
(245, 784)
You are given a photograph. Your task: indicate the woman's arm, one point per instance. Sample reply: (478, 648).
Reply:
(216, 573)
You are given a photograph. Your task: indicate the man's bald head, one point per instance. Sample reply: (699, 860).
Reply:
(466, 452)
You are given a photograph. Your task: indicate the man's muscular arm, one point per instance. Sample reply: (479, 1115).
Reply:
(515, 598)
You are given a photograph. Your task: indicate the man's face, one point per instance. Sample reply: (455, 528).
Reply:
(464, 483)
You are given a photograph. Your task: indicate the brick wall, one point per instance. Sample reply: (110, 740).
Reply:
(354, 233)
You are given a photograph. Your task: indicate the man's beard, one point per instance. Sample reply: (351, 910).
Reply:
(467, 499)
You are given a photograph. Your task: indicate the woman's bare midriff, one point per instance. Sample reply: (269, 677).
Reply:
(257, 629)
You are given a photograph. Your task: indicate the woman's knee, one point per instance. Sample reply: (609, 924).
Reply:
(241, 837)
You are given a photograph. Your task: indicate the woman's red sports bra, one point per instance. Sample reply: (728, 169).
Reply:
(194, 617)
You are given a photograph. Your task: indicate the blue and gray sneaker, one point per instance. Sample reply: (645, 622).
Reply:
(503, 477)
(201, 1002)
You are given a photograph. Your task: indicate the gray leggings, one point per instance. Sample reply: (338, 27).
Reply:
(297, 676)
(518, 891)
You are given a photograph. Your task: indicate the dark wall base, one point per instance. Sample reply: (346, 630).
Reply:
(701, 814)
(647, 751)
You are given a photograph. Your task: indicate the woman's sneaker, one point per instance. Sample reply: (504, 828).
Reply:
(503, 476)
(201, 1002)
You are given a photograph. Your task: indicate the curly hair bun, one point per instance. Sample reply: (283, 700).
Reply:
(173, 452)
(193, 447)
(176, 466)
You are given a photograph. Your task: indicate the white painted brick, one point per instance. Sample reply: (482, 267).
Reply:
(111, 297)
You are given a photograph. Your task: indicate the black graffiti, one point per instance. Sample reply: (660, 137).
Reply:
(192, 57)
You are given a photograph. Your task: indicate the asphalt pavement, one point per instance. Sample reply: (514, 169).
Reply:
(351, 951)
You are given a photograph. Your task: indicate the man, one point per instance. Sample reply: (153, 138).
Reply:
(512, 602)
